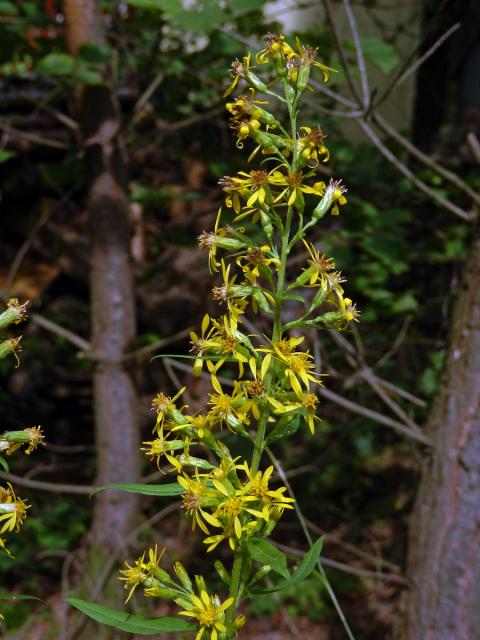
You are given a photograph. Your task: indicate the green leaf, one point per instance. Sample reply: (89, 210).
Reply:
(380, 54)
(4, 464)
(86, 76)
(406, 303)
(6, 155)
(56, 64)
(241, 7)
(285, 427)
(9, 596)
(308, 563)
(94, 54)
(156, 5)
(8, 8)
(265, 553)
(127, 622)
(172, 489)
(304, 569)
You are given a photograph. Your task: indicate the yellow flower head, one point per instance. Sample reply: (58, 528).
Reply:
(209, 612)
(13, 510)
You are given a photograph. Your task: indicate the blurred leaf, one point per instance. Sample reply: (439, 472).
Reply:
(128, 622)
(405, 303)
(286, 427)
(88, 77)
(4, 465)
(157, 5)
(172, 489)
(380, 54)
(8, 8)
(265, 553)
(9, 596)
(94, 54)
(6, 155)
(56, 64)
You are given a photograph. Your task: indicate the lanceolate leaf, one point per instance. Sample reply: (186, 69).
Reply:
(140, 625)
(4, 465)
(286, 427)
(304, 569)
(171, 489)
(11, 596)
(264, 552)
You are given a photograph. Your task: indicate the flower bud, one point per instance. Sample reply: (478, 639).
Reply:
(14, 313)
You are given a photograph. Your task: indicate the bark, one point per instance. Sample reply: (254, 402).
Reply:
(444, 559)
(112, 294)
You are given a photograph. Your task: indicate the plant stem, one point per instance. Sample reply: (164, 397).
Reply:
(236, 587)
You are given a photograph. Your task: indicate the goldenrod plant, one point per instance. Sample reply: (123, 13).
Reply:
(13, 510)
(233, 501)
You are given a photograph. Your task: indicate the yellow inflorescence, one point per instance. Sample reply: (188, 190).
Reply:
(230, 499)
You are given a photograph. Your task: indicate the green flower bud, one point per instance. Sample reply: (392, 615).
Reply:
(222, 572)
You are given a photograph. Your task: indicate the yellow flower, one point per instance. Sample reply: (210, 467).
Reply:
(311, 145)
(208, 611)
(196, 496)
(10, 441)
(257, 486)
(163, 448)
(165, 407)
(255, 260)
(276, 47)
(134, 575)
(322, 269)
(13, 510)
(337, 189)
(293, 181)
(238, 70)
(227, 409)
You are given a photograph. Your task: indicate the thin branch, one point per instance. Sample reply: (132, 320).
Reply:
(304, 526)
(58, 330)
(404, 170)
(418, 63)
(54, 487)
(452, 177)
(408, 65)
(340, 50)
(359, 53)
(374, 415)
(347, 568)
(33, 137)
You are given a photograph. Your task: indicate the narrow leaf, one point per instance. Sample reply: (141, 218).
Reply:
(10, 596)
(264, 552)
(128, 622)
(4, 465)
(171, 489)
(304, 569)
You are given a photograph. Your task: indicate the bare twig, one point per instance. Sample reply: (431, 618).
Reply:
(404, 170)
(450, 176)
(347, 568)
(32, 137)
(359, 53)
(60, 331)
(428, 53)
(53, 487)
(374, 415)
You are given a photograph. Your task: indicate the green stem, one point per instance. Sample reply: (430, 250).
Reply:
(303, 524)
(236, 588)
(236, 585)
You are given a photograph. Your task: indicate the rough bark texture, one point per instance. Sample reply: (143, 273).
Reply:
(444, 561)
(112, 295)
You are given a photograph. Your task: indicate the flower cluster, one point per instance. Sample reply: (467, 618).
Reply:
(268, 211)
(13, 510)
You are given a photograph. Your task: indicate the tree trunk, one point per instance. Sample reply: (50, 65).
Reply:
(112, 295)
(444, 558)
